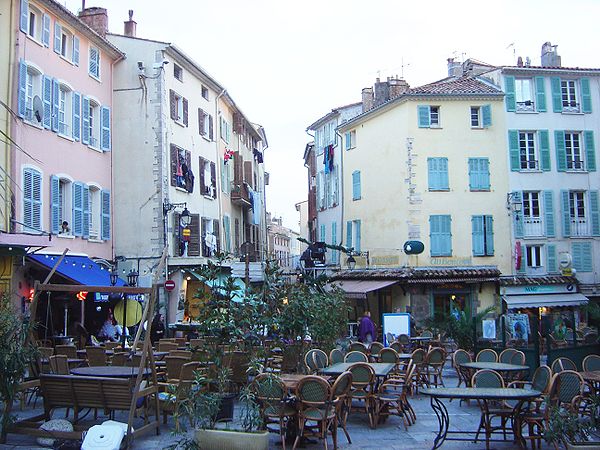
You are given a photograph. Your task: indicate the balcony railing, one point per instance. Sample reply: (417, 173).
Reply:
(533, 226)
(529, 164)
(571, 107)
(580, 227)
(240, 194)
(63, 128)
(527, 105)
(575, 165)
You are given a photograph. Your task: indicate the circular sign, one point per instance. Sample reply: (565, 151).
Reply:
(169, 285)
(413, 247)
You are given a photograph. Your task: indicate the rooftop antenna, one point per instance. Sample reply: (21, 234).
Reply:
(402, 67)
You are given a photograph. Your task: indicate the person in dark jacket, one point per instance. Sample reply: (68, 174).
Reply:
(366, 329)
(158, 328)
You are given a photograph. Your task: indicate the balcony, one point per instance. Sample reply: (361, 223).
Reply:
(240, 195)
(527, 105)
(580, 227)
(575, 165)
(533, 226)
(571, 107)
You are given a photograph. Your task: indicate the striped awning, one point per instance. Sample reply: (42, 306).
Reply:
(360, 288)
(544, 300)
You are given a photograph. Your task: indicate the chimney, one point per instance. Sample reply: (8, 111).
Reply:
(519, 62)
(382, 92)
(367, 99)
(454, 68)
(549, 56)
(398, 86)
(96, 18)
(130, 25)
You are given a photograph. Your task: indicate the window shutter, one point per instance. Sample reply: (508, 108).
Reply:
(224, 176)
(185, 111)
(238, 165)
(319, 188)
(513, 149)
(551, 263)
(434, 236)
(172, 104)
(477, 236)
(202, 177)
(85, 120)
(28, 198)
(509, 89)
(76, 107)
(594, 213)
(582, 256)
(77, 208)
(173, 152)
(433, 174)
(94, 63)
(217, 233)
(358, 235)
(590, 150)
(544, 150)
(201, 119)
(586, 96)
(36, 200)
(86, 211)
(24, 16)
(57, 37)
(205, 250)
(210, 127)
(54, 204)
(566, 216)
(473, 174)
(22, 89)
(213, 179)
(561, 153)
(55, 100)
(195, 243)
(484, 167)
(356, 194)
(556, 94)
(518, 216)
(47, 101)
(248, 178)
(349, 234)
(486, 115)
(105, 128)
(227, 233)
(549, 227)
(522, 260)
(236, 235)
(540, 94)
(322, 234)
(443, 174)
(105, 200)
(46, 30)
(348, 140)
(335, 179)
(447, 235)
(423, 113)
(489, 235)
(75, 50)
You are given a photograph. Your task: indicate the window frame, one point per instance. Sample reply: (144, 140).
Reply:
(177, 72)
(34, 75)
(570, 96)
(65, 127)
(95, 212)
(528, 151)
(476, 114)
(37, 24)
(436, 114)
(205, 93)
(94, 124)
(522, 103)
(572, 151)
(534, 254)
(96, 76)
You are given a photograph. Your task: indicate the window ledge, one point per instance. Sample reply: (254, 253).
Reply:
(96, 241)
(576, 171)
(64, 58)
(207, 139)
(530, 171)
(580, 237)
(64, 136)
(180, 123)
(33, 124)
(527, 112)
(96, 149)
(65, 236)
(31, 38)
(435, 127)
(439, 190)
(480, 190)
(95, 77)
(180, 189)
(573, 113)
(208, 197)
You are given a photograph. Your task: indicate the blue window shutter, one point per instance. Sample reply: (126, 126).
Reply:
(322, 238)
(423, 113)
(434, 236)
(46, 30)
(349, 234)
(86, 211)
(479, 175)
(594, 213)
(513, 149)
(28, 197)
(484, 167)
(486, 116)
(489, 235)
(586, 96)
(85, 120)
(105, 200)
(551, 263)
(21, 100)
(509, 90)
(105, 128)
(473, 174)
(24, 16)
(443, 174)
(334, 241)
(75, 50)
(522, 260)
(561, 153)
(47, 101)
(540, 94)
(590, 150)
(550, 229)
(76, 115)
(432, 174)
(447, 235)
(566, 216)
(348, 140)
(54, 204)
(477, 236)
(356, 194)
(57, 37)
(357, 234)
(77, 209)
(55, 100)
(544, 150)
(556, 94)
(440, 236)
(581, 253)
(36, 199)
(518, 216)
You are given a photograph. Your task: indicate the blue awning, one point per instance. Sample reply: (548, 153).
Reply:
(79, 269)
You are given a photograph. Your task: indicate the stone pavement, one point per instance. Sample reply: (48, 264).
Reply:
(390, 435)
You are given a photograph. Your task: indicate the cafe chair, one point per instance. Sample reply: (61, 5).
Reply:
(112, 345)
(591, 363)
(358, 347)
(173, 394)
(341, 389)
(418, 357)
(590, 338)
(518, 358)
(183, 353)
(167, 346)
(427, 334)
(397, 346)
(315, 360)
(486, 378)
(355, 356)
(363, 387)
(173, 365)
(404, 340)
(392, 399)
(59, 365)
(336, 356)
(562, 363)
(70, 351)
(374, 350)
(389, 355)
(434, 366)
(487, 355)
(96, 356)
(459, 357)
(506, 355)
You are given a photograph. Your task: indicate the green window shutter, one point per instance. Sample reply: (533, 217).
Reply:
(544, 150)
(75, 56)
(581, 253)
(586, 96)
(54, 204)
(518, 216)
(540, 94)
(561, 153)
(349, 234)
(76, 107)
(85, 120)
(486, 116)
(440, 235)
(47, 101)
(348, 140)
(594, 213)
(509, 90)
(334, 253)
(550, 230)
(322, 232)
(357, 235)
(356, 194)
(556, 94)
(443, 171)
(489, 235)
(566, 217)
(473, 174)
(513, 149)
(590, 150)
(551, 263)
(477, 236)
(423, 113)
(55, 103)
(484, 167)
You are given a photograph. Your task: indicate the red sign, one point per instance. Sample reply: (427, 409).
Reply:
(169, 285)
(518, 255)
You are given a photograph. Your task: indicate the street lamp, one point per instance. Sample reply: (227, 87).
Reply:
(114, 276)
(185, 218)
(351, 262)
(132, 278)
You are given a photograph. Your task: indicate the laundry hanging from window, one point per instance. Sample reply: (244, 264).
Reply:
(328, 158)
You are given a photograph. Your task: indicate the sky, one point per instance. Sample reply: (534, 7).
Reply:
(286, 63)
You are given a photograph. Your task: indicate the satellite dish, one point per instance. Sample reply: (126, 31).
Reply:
(38, 108)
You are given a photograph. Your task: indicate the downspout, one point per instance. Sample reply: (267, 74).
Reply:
(264, 232)
(309, 188)
(7, 147)
(342, 229)
(219, 188)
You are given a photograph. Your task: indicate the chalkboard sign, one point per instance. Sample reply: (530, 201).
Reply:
(395, 324)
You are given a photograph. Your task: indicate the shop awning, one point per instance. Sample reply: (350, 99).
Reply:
(360, 288)
(547, 300)
(78, 269)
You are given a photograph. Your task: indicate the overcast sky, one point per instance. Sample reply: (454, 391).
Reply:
(288, 63)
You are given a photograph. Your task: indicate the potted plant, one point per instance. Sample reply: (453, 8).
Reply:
(574, 432)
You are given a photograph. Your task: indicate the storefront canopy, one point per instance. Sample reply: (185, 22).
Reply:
(79, 269)
(360, 288)
(544, 300)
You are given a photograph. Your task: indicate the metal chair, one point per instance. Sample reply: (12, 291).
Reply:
(434, 365)
(506, 355)
(355, 356)
(591, 363)
(418, 357)
(491, 379)
(336, 356)
(562, 363)
(315, 359)
(397, 346)
(358, 347)
(363, 386)
(487, 355)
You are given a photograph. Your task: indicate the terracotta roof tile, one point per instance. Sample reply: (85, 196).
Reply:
(423, 274)
(455, 86)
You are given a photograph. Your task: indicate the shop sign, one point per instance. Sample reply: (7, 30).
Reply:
(567, 272)
(539, 289)
(452, 261)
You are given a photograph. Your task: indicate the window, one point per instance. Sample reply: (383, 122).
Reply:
(225, 176)
(581, 253)
(350, 139)
(434, 116)
(573, 151)
(205, 93)
(65, 211)
(479, 174)
(533, 256)
(179, 108)
(524, 94)
(475, 117)
(225, 130)
(437, 169)
(356, 194)
(66, 43)
(32, 200)
(94, 123)
(208, 178)
(353, 234)
(181, 173)
(33, 88)
(429, 116)
(95, 213)
(532, 221)
(527, 151)
(482, 235)
(569, 96)
(571, 155)
(440, 236)
(210, 237)
(94, 62)
(205, 124)
(580, 213)
(577, 213)
(65, 115)
(481, 116)
(177, 72)
(323, 234)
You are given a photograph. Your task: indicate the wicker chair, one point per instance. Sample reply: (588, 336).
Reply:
(418, 357)
(518, 358)
(70, 351)
(404, 340)
(96, 356)
(341, 389)
(363, 387)
(389, 355)
(562, 363)
(167, 346)
(315, 360)
(355, 356)
(374, 350)
(459, 357)
(112, 345)
(392, 399)
(506, 355)
(397, 346)
(434, 365)
(491, 379)
(427, 334)
(591, 363)
(590, 338)
(316, 410)
(358, 347)
(59, 365)
(336, 356)
(487, 355)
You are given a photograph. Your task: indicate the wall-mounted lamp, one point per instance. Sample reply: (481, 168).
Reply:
(351, 262)
(185, 218)
(514, 203)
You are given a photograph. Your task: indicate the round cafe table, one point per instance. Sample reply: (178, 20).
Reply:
(109, 371)
(509, 372)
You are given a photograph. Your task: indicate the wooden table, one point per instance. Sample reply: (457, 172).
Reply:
(381, 369)
(109, 371)
(291, 380)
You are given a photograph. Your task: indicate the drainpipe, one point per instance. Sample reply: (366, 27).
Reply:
(309, 188)
(9, 120)
(215, 135)
(342, 193)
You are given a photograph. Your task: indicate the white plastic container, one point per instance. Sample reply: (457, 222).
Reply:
(103, 437)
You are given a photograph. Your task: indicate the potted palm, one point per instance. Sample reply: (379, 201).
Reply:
(572, 431)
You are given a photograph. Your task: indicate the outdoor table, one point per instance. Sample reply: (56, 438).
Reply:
(503, 369)
(381, 369)
(592, 378)
(482, 394)
(291, 380)
(404, 356)
(83, 352)
(70, 361)
(421, 338)
(109, 371)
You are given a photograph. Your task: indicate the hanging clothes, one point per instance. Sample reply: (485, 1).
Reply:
(256, 208)
(330, 159)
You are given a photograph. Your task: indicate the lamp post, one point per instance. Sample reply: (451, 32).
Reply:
(132, 279)
(351, 262)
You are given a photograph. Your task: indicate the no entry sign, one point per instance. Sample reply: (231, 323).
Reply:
(169, 285)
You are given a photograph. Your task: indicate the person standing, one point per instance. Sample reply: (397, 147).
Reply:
(366, 329)
(158, 328)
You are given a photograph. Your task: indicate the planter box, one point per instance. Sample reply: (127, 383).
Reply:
(232, 440)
